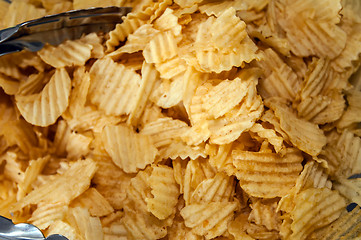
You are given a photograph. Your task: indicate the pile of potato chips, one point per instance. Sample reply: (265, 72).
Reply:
(192, 119)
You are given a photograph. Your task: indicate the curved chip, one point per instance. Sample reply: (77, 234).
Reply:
(314, 209)
(68, 53)
(267, 175)
(44, 108)
(129, 150)
(113, 87)
(209, 219)
(165, 192)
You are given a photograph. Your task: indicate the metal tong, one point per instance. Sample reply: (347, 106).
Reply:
(55, 29)
(23, 231)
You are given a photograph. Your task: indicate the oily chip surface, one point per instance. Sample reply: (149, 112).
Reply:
(191, 119)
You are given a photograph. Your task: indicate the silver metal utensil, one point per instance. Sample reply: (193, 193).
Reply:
(23, 231)
(55, 29)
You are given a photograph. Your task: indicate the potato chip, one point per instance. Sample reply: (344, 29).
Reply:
(209, 219)
(165, 192)
(44, 108)
(114, 93)
(350, 189)
(316, 29)
(228, 29)
(314, 209)
(345, 227)
(122, 31)
(46, 214)
(139, 223)
(20, 11)
(64, 187)
(263, 174)
(89, 227)
(310, 139)
(129, 151)
(216, 189)
(266, 215)
(31, 173)
(92, 200)
(164, 130)
(171, 68)
(280, 80)
(195, 172)
(149, 77)
(210, 59)
(162, 47)
(68, 53)
(343, 155)
(229, 127)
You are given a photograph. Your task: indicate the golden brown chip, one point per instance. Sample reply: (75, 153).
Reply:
(21, 11)
(46, 214)
(64, 187)
(129, 150)
(209, 219)
(68, 53)
(113, 87)
(267, 175)
(314, 209)
(44, 108)
(165, 192)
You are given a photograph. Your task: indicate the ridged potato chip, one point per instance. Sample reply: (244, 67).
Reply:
(46, 214)
(267, 175)
(44, 108)
(326, 203)
(31, 173)
(350, 189)
(165, 192)
(343, 156)
(149, 77)
(209, 219)
(68, 185)
(308, 137)
(216, 189)
(68, 53)
(269, 134)
(345, 227)
(129, 150)
(162, 47)
(113, 92)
